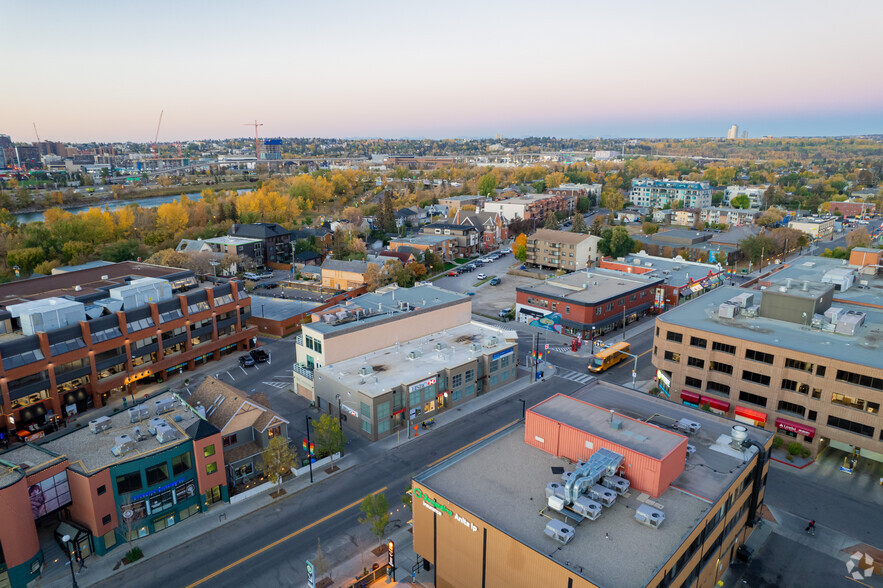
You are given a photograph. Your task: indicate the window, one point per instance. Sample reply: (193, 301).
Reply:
(567, 308)
(852, 427)
(657, 331)
(724, 368)
(693, 382)
(382, 426)
(414, 398)
(470, 375)
(504, 361)
(181, 464)
(208, 451)
(857, 403)
(243, 470)
(229, 440)
(274, 432)
(820, 371)
(457, 381)
(105, 520)
(792, 408)
(366, 426)
(129, 483)
(760, 356)
(752, 398)
(789, 385)
(796, 364)
(494, 366)
(366, 409)
(157, 474)
(817, 393)
(812, 415)
(211, 468)
(716, 387)
(381, 411)
(860, 379)
(761, 379)
(723, 347)
(697, 342)
(101, 490)
(696, 362)
(672, 356)
(676, 337)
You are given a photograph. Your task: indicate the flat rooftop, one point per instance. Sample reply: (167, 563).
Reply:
(591, 287)
(867, 290)
(26, 459)
(278, 309)
(384, 304)
(863, 348)
(88, 452)
(391, 366)
(423, 239)
(228, 240)
(677, 272)
(504, 466)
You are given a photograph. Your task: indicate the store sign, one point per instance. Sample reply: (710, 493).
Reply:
(311, 575)
(663, 382)
(440, 509)
(136, 377)
(422, 385)
(168, 486)
(505, 352)
(349, 410)
(793, 427)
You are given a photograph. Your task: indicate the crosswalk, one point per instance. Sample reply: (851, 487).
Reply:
(560, 349)
(278, 385)
(573, 376)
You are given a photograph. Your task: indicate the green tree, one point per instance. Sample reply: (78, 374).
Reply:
(387, 216)
(650, 228)
(487, 184)
(539, 186)
(579, 224)
(741, 201)
(615, 242)
(550, 222)
(583, 204)
(597, 226)
(330, 439)
(278, 459)
(25, 258)
(755, 246)
(117, 251)
(375, 511)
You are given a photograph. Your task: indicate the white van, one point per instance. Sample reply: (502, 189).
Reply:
(251, 276)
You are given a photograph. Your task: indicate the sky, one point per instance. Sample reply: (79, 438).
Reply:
(104, 70)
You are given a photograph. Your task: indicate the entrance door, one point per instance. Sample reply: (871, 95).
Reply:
(84, 548)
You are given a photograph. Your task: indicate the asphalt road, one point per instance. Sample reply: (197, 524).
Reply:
(292, 525)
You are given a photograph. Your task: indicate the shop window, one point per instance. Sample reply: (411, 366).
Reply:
(129, 483)
(366, 426)
(101, 490)
(110, 539)
(208, 451)
(211, 468)
(244, 470)
(469, 390)
(181, 464)
(229, 440)
(105, 520)
(382, 427)
(157, 474)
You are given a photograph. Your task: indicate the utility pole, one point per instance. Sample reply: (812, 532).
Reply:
(623, 320)
(257, 150)
(309, 452)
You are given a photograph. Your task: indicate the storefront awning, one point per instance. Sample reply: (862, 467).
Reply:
(690, 396)
(793, 427)
(750, 414)
(715, 403)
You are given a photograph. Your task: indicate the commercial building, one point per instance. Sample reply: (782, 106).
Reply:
(561, 250)
(390, 390)
(271, 149)
(754, 193)
(691, 244)
(798, 358)
(343, 275)
(275, 238)
(681, 280)
(127, 475)
(73, 340)
(610, 487)
(852, 208)
(815, 227)
(532, 206)
(467, 236)
(662, 193)
(373, 321)
(458, 202)
(586, 303)
(728, 216)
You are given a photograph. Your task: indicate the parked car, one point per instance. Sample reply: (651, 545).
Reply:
(259, 355)
(271, 285)
(246, 360)
(481, 276)
(265, 274)
(495, 282)
(486, 260)
(504, 313)
(453, 273)
(467, 268)
(505, 251)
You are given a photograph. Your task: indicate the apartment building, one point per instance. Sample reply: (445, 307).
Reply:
(468, 238)
(662, 193)
(73, 340)
(457, 202)
(623, 498)
(561, 250)
(532, 206)
(276, 241)
(797, 358)
(686, 217)
(754, 193)
(728, 216)
(577, 190)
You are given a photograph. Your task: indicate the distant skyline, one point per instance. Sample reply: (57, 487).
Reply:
(103, 71)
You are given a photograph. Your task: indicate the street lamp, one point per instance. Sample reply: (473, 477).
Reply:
(67, 543)
(214, 265)
(340, 414)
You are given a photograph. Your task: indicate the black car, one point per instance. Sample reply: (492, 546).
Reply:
(246, 361)
(271, 285)
(259, 355)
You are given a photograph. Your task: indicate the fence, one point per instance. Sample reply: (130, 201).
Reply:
(369, 578)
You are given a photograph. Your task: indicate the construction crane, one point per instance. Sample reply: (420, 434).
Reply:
(156, 138)
(257, 149)
(39, 142)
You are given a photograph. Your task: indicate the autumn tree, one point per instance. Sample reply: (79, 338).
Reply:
(597, 226)
(649, 228)
(579, 224)
(612, 199)
(770, 217)
(756, 246)
(520, 248)
(373, 277)
(550, 221)
(25, 258)
(171, 217)
(554, 179)
(278, 459)
(858, 238)
(329, 436)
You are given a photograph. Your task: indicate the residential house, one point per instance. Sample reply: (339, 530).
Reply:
(663, 217)
(324, 237)
(467, 236)
(410, 216)
(275, 238)
(246, 424)
(442, 245)
(492, 226)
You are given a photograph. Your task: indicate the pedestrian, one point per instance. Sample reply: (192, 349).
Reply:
(811, 527)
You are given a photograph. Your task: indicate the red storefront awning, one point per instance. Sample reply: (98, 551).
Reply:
(715, 403)
(690, 396)
(399, 411)
(793, 427)
(751, 414)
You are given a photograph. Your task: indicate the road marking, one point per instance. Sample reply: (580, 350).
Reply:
(643, 354)
(231, 375)
(243, 371)
(473, 443)
(573, 376)
(282, 540)
(279, 385)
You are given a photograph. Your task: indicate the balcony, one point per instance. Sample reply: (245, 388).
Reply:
(299, 340)
(303, 371)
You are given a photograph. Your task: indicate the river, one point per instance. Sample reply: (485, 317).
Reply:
(151, 202)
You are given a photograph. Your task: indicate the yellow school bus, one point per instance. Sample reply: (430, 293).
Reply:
(609, 356)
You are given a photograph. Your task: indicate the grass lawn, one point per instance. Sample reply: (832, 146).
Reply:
(449, 265)
(462, 260)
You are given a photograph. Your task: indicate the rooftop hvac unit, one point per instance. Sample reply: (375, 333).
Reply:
(475, 347)
(440, 346)
(124, 444)
(647, 515)
(691, 449)
(166, 433)
(139, 434)
(750, 311)
(850, 322)
(414, 354)
(603, 495)
(328, 318)
(490, 342)
(555, 503)
(742, 300)
(616, 483)
(138, 414)
(586, 507)
(365, 370)
(163, 405)
(554, 489)
(559, 531)
(100, 424)
(727, 310)
(834, 313)
(341, 315)
(688, 426)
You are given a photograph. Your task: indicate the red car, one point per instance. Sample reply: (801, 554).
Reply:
(453, 273)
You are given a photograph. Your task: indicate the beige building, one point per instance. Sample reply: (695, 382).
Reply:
(562, 250)
(728, 216)
(814, 227)
(384, 318)
(343, 275)
(799, 358)
(686, 217)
